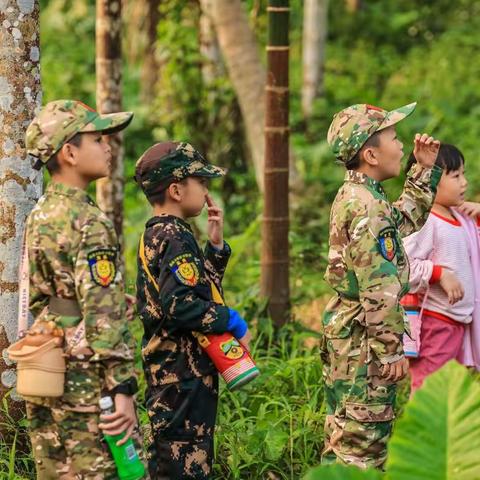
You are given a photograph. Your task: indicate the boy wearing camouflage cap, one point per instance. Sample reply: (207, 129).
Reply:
(75, 285)
(368, 269)
(174, 299)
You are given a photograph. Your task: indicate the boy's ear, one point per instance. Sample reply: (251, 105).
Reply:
(66, 155)
(173, 191)
(369, 155)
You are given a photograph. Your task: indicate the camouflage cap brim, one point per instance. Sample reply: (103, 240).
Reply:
(210, 171)
(395, 116)
(108, 123)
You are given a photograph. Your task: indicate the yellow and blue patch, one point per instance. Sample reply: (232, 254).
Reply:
(185, 269)
(387, 241)
(102, 264)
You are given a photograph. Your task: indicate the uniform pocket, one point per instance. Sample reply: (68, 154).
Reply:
(82, 383)
(168, 407)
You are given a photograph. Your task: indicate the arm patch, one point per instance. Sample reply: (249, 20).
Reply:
(102, 264)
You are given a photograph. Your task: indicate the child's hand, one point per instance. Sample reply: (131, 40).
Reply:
(215, 223)
(246, 339)
(395, 371)
(124, 419)
(451, 286)
(472, 209)
(425, 150)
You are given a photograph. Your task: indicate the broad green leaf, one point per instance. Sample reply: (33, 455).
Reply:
(341, 472)
(438, 437)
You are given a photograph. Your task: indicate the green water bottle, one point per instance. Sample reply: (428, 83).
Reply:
(129, 466)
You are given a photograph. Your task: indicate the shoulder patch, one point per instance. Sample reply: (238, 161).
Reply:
(387, 241)
(185, 269)
(102, 266)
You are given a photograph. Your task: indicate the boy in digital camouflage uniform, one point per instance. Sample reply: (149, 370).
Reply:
(75, 285)
(174, 299)
(368, 269)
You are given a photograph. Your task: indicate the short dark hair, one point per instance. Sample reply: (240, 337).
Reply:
(52, 164)
(449, 157)
(354, 162)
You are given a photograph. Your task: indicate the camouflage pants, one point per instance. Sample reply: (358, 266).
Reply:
(359, 403)
(182, 416)
(67, 445)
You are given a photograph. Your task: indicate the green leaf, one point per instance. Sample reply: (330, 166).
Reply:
(341, 472)
(438, 437)
(275, 442)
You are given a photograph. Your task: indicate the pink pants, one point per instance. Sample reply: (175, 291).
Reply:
(440, 342)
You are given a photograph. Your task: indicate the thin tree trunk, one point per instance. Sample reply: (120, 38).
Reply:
(246, 72)
(275, 255)
(209, 48)
(20, 185)
(151, 66)
(109, 100)
(314, 37)
(353, 6)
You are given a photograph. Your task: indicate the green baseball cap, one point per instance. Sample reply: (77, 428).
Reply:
(168, 162)
(61, 120)
(353, 126)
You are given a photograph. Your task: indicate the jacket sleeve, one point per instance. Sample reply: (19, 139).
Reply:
(371, 233)
(411, 210)
(419, 249)
(100, 292)
(216, 262)
(185, 292)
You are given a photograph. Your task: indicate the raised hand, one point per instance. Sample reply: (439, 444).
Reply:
(215, 223)
(425, 150)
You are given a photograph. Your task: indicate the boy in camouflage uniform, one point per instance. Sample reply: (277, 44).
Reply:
(368, 269)
(75, 285)
(174, 299)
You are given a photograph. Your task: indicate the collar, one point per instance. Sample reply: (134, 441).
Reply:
(165, 218)
(360, 178)
(76, 193)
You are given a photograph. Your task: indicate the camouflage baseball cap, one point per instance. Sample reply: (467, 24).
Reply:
(353, 126)
(168, 162)
(61, 120)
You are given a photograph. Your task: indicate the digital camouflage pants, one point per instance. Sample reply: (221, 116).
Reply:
(359, 403)
(68, 445)
(182, 417)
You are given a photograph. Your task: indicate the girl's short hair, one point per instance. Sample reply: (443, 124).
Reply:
(450, 158)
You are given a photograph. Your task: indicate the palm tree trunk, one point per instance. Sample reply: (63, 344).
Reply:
(314, 37)
(275, 255)
(20, 185)
(246, 72)
(109, 100)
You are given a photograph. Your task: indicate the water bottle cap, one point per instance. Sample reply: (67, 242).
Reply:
(106, 403)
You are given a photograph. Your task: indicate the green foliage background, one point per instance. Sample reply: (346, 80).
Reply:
(390, 53)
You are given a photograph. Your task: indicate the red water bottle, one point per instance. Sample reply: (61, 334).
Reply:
(411, 341)
(229, 356)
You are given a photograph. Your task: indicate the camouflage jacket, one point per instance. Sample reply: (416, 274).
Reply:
(367, 265)
(183, 303)
(72, 249)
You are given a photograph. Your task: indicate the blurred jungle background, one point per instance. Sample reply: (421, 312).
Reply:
(179, 80)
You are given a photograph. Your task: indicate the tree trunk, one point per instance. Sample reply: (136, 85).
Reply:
(246, 72)
(314, 37)
(20, 185)
(209, 48)
(109, 100)
(151, 66)
(354, 6)
(275, 255)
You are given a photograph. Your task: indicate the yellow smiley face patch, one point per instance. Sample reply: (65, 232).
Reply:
(102, 266)
(185, 269)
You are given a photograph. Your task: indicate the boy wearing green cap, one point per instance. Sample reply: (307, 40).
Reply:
(368, 269)
(77, 292)
(174, 299)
